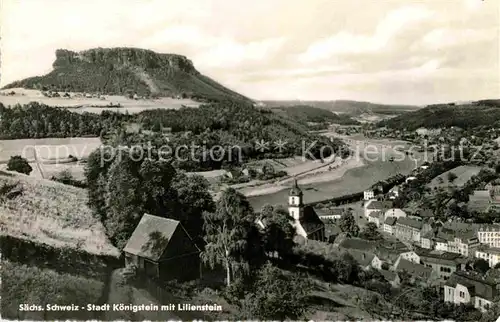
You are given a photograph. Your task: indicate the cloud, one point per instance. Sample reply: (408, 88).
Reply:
(342, 43)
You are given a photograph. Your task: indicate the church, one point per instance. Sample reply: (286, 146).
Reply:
(306, 221)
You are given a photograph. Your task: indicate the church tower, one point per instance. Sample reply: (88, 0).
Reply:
(295, 201)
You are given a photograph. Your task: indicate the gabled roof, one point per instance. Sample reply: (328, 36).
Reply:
(477, 285)
(413, 223)
(391, 221)
(414, 269)
(356, 243)
(389, 276)
(151, 236)
(376, 214)
(295, 191)
(363, 258)
(310, 220)
(379, 205)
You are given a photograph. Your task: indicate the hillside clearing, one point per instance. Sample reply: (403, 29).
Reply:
(463, 173)
(54, 214)
(93, 105)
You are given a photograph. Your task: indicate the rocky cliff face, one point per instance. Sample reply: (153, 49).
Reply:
(120, 57)
(128, 70)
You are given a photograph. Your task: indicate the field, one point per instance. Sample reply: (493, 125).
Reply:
(463, 173)
(52, 213)
(93, 105)
(48, 150)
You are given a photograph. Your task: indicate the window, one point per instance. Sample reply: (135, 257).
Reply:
(462, 294)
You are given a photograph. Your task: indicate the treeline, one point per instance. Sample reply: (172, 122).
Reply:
(305, 113)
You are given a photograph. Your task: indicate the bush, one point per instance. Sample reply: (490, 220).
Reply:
(19, 164)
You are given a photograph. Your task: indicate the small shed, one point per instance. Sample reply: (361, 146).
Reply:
(161, 248)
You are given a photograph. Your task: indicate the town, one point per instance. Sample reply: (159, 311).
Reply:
(282, 161)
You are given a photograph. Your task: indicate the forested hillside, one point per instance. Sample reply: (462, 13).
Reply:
(128, 70)
(471, 115)
(305, 113)
(237, 128)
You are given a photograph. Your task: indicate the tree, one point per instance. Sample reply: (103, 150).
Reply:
(226, 233)
(278, 231)
(347, 223)
(276, 296)
(19, 164)
(451, 177)
(193, 197)
(481, 266)
(371, 232)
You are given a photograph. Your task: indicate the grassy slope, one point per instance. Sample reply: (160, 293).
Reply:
(463, 173)
(52, 213)
(22, 284)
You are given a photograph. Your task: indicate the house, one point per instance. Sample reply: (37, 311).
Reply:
(365, 259)
(306, 222)
(368, 195)
(376, 217)
(376, 205)
(470, 288)
(418, 273)
(410, 256)
(407, 229)
(332, 213)
(161, 248)
(389, 224)
(464, 242)
(489, 254)
(391, 277)
(443, 263)
(489, 235)
(394, 212)
(427, 240)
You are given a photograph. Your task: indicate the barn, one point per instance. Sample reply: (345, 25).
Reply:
(161, 248)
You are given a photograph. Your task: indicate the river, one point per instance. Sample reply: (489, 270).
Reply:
(354, 180)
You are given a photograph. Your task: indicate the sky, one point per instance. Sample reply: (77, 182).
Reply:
(386, 51)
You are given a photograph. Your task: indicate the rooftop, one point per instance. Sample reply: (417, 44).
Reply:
(409, 222)
(379, 205)
(477, 285)
(151, 236)
(391, 221)
(414, 269)
(310, 220)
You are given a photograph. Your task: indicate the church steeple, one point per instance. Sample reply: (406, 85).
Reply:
(295, 202)
(295, 191)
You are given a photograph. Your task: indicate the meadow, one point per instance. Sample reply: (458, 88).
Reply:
(51, 213)
(50, 149)
(463, 173)
(93, 105)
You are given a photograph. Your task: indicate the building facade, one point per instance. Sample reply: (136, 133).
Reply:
(489, 254)
(470, 288)
(307, 223)
(407, 229)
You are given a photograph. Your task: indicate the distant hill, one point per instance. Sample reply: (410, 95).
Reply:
(353, 108)
(304, 114)
(464, 115)
(124, 71)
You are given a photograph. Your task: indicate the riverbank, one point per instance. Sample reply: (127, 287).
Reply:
(322, 174)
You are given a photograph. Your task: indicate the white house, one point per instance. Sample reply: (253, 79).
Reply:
(389, 224)
(368, 194)
(410, 256)
(468, 287)
(375, 205)
(489, 254)
(489, 235)
(376, 217)
(394, 212)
